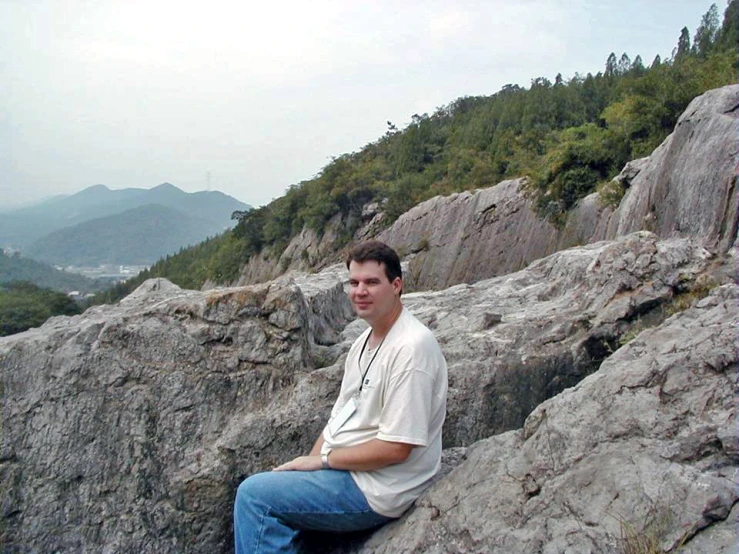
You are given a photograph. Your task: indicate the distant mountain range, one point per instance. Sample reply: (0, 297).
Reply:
(138, 236)
(129, 226)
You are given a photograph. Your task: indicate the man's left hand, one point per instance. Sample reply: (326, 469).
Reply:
(301, 463)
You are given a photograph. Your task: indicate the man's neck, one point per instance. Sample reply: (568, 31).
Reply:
(380, 329)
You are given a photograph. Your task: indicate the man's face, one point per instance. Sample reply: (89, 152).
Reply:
(372, 295)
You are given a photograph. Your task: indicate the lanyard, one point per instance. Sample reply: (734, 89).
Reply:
(359, 366)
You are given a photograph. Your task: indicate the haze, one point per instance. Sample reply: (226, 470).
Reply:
(250, 98)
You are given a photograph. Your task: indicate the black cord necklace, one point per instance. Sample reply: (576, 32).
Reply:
(359, 365)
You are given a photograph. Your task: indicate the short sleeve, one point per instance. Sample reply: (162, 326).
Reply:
(406, 413)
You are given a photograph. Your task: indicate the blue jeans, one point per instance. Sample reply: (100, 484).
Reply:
(272, 508)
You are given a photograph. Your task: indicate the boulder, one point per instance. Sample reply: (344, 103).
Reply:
(687, 187)
(513, 341)
(641, 456)
(470, 236)
(128, 427)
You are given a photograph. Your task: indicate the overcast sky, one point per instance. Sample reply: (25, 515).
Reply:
(249, 98)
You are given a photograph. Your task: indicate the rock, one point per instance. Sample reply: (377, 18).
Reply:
(306, 252)
(587, 222)
(369, 211)
(557, 321)
(687, 187)
(631, 452)
(138, 421)
(467, 236)
(128, 427)
(330, 311)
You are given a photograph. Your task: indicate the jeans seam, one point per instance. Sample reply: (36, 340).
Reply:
(342, 512)
(261, 529)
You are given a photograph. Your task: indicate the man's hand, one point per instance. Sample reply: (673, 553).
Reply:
(367, 456)
(301, 463)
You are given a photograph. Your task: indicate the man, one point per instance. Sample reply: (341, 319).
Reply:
(382, 444)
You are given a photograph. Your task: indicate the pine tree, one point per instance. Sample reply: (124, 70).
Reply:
(624, 64)
(728, 36)
(637, 66)
(683, 46)
(611, 65)
(705, 37)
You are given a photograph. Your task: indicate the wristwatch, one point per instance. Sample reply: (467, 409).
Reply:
(324, 460)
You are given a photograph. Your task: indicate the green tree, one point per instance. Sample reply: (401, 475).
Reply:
(24, 305)
(611, 65)
(707, 32)
(637, 67)
(581, 158)
(624, 64)
(682, 50)
(728, 36)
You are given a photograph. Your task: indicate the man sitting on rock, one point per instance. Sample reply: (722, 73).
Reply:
(382, 444)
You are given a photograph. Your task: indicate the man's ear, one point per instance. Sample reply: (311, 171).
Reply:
(397, 285)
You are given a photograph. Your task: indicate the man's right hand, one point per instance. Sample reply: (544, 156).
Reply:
(301, 463)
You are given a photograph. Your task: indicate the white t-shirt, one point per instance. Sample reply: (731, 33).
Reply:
(403, 399)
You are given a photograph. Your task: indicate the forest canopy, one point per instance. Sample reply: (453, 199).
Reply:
(24, 305)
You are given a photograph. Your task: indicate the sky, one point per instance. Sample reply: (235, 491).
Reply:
(251, 97)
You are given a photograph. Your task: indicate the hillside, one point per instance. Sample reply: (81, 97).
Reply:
(24, 305)
(17, 268)
(138, 236)
(22, 227)
(569, 138)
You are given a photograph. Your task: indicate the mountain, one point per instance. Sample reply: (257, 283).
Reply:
(16, 268)
(21, 227)
(7, 207)
(138, 236)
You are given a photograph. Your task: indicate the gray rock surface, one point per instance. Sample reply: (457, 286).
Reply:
(128, 428)
(687, 187)
(305, 252)
(470, 236)
(513, 341)
(645, 448)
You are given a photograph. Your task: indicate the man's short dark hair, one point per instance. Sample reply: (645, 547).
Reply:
(374, 250)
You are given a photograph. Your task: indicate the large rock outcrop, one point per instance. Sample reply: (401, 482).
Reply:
(470, 236)
(306, 252)
(643, 452)
(687, 187)
(128, 428)
(117, 424)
